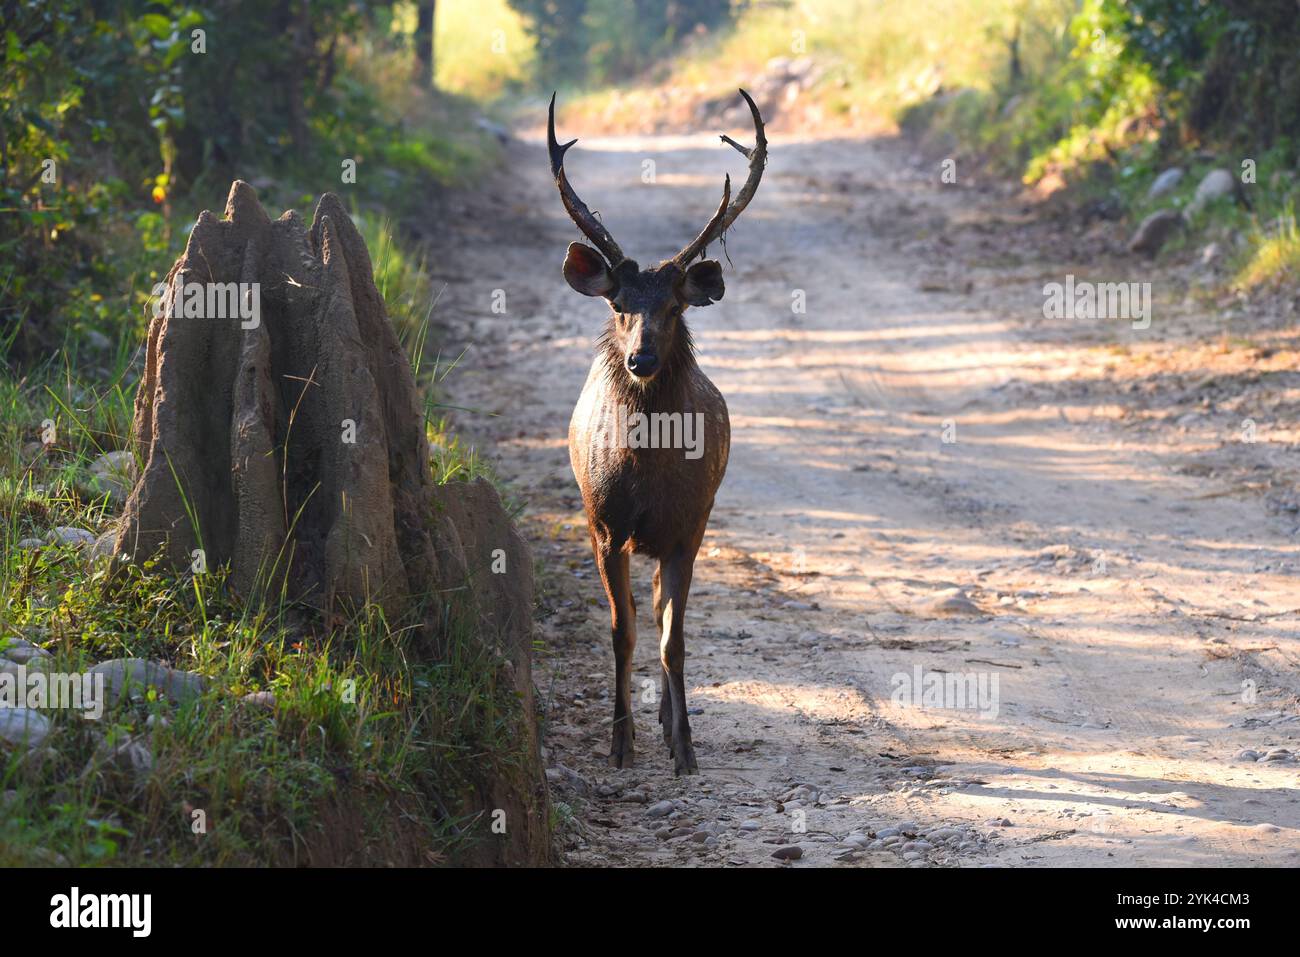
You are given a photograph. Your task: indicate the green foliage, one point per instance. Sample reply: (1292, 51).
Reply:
(416, 740)
(605, 41)
(119, 122)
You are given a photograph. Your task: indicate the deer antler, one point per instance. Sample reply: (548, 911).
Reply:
(591, 227)
(727, 214)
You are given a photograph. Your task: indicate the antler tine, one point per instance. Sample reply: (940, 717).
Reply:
(726, 214)
(586, 221)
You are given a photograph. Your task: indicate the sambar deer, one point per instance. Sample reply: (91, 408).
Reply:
(643, 497)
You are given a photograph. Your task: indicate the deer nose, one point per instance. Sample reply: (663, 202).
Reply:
(642, 364)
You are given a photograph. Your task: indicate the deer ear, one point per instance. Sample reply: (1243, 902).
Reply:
(585, 271)
(703, 283)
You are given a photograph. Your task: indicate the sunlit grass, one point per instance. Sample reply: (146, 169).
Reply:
(1276, 254)
(880, 56)
(365, 723)
(481, 49)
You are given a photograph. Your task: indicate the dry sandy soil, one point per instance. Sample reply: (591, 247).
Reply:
(1114, 570)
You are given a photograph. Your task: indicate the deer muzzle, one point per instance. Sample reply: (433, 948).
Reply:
(642, 364)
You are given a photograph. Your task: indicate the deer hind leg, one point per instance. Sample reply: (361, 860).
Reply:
(665, 693)
(613, 564)
(675, 574)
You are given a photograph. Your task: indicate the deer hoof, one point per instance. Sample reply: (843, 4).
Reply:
(684, 759)
(621, 752)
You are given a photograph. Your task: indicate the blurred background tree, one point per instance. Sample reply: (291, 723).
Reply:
(610, 41)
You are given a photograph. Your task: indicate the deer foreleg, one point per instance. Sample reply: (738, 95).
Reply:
(675, 582)
(613, 564)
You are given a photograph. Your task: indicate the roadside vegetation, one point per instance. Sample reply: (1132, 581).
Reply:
(289, 739)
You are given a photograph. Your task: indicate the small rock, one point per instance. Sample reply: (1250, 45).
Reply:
(659, 809)
(951, 603)
(1247, 754)
(28, 543)
(20, 651)
(1216, 184)
(112, 474)
(790, 853)
(1165, 182)
(123, 674)
(103, 547)
(559, 776)
(1155, 231)
(130, 755)
(23, 726)
(67, 535)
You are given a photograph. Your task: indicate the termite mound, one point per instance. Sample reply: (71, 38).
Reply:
(286, 439)
(281, 435)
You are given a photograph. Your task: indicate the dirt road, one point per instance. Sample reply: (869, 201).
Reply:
(929, 482)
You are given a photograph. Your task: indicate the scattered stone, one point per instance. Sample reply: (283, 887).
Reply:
(28, 543)
(1155, 231)
(953, 602)
(791, 852)
(659, 809)
(1165, 182)
(130, 755)
(260, 699)
(103, 547)
(125, 675)
(1246, 754)
(23, 726)
(565, 777)
(112, 474)
(21, 651)
(67, 535)
(1216, 184)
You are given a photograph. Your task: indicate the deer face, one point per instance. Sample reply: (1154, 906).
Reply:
(647, 305)
(646, 325)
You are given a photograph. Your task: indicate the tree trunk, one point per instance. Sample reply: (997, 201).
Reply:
(424, 62)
